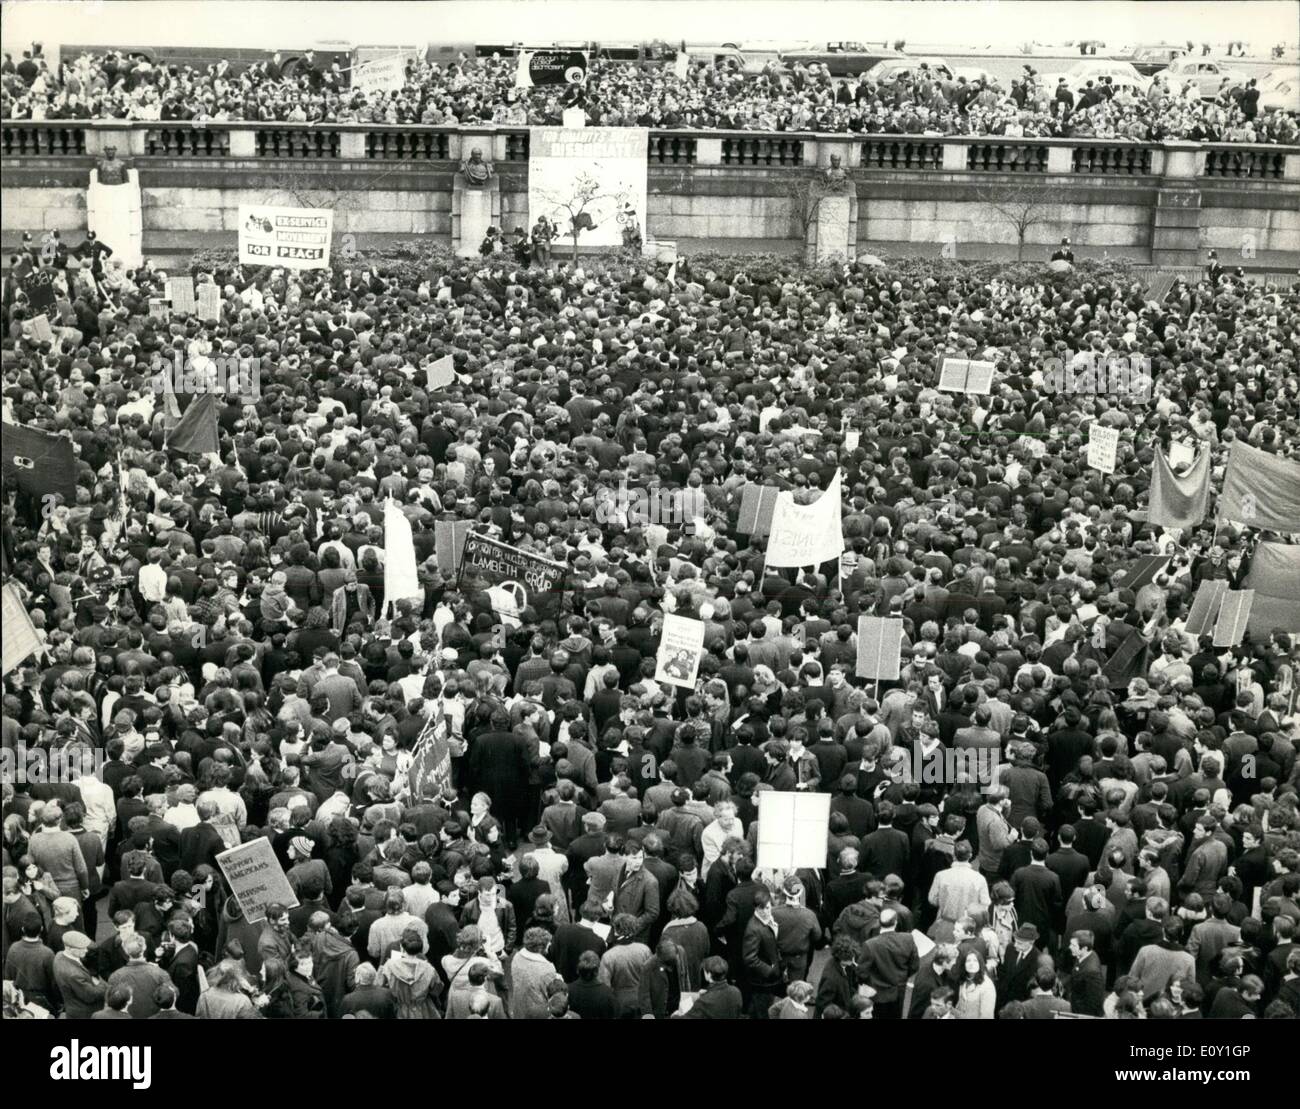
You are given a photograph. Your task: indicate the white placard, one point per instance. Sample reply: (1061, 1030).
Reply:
(792, 829)
(1181, 453)
(595, 172)
(296, 238)
(1103, 443)
(680, 648)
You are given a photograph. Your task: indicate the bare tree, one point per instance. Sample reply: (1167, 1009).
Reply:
(1022, 207)
(805, 191)
(306, 190)
(586, 192)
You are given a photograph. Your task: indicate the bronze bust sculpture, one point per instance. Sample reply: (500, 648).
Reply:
(112, 170)
(477, 172)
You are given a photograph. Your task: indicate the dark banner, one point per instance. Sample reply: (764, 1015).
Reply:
(510, 576)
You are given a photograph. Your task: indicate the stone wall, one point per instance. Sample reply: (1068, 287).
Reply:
(1176, 207)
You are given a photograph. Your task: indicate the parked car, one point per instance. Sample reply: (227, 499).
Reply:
(1122, 75)
(974, 74)
(891, 68)
(1207, 74)
(1280, 91)
(1149, 60)
(840, 63)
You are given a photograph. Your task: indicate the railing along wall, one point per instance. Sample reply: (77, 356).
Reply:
(444, 147)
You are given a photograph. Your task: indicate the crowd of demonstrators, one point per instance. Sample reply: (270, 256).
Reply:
(801, 97)
(217, 626)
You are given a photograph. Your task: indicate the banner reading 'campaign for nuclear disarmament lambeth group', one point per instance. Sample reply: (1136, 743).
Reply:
(499, 563)
(295, 238)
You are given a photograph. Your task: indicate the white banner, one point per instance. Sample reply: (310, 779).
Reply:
(594, 175)
(1103, 442)
(295, 238)
(806, 534)
(401, 579)
(680, 648)
(380, 74)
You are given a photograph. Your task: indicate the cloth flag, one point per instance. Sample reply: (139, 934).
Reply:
(197, 431)
(1179, 502)
(1260, 490)
(806, 534)
(401, 580)
(1274, 575)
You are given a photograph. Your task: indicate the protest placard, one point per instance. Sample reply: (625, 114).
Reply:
(966, 375)
(1181, 453)
(880, 639)
(209, 301)
(1205, 607)
(792, 829)
(1144, 570)
(449, 544)
(1234, 616)
(757, 503)
(681, 646)
(180, 291)
(296, 238)
(1103, 443)
(256, 878)
(41, 329)
(20, 638)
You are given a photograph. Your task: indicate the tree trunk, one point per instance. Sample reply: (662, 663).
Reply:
(1020, 247)
(575, 247)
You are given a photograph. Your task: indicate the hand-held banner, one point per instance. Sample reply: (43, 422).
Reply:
(295, 238)
(806, 534)
(497, 563)
(401, 579)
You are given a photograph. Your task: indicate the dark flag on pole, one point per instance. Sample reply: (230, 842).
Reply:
(197, 431)
(37, 463)
(430, 771)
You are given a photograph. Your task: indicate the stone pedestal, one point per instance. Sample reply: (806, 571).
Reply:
(1176, 226)
(473, 211)
(832, 235)
(113, 213)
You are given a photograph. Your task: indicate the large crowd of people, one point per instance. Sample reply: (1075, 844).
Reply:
(800, 97)
(216, 628)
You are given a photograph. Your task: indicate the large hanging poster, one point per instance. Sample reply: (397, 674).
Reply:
(595, 176)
